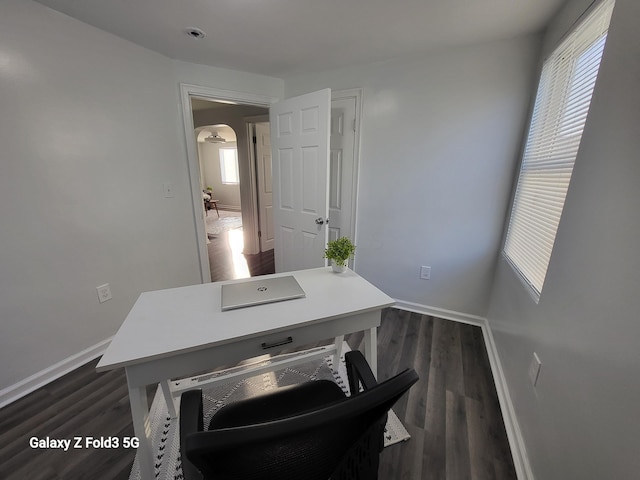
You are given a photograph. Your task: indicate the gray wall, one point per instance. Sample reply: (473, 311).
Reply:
(90, 129)
(440, 140)
(581, 420)
(87, 144)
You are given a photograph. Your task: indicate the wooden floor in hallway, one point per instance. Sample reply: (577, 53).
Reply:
(225, 260)
(452, 413)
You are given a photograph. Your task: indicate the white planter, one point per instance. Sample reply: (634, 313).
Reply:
(338, 268)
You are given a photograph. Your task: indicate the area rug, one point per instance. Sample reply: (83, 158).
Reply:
(164, 430)
(228, 220)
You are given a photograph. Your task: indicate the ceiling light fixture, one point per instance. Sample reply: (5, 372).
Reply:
(194, 32)
(215, 138)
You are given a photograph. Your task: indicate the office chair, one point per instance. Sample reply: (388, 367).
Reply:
(309, 431)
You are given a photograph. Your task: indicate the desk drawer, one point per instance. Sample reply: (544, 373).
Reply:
(184, 363)
(274, 343)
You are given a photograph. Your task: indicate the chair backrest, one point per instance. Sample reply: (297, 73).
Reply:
(339, 441)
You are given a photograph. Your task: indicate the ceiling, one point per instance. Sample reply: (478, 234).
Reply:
(287, 37)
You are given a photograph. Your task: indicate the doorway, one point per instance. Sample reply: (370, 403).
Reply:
(344, 163)
(222, 149)
(220, 185)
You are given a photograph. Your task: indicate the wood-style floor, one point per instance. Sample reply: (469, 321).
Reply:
(80, 404)
(221, 259)
(452, 413)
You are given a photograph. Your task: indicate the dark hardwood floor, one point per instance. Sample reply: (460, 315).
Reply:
(221, 259)
(262, 263)
(452, 413)
(82, 403)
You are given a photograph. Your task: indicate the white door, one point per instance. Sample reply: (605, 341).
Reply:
(265, 190)
(300, 146)
(342, 168)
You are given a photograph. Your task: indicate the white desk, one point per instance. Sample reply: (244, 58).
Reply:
(178, 332)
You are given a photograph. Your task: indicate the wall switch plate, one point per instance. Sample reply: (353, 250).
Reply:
(534, 369)
(425, 272)
(104, 293)
(167, 189)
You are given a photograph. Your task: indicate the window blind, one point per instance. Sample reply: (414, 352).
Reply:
(560, 111)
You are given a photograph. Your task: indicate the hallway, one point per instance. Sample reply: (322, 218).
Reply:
(226, 260)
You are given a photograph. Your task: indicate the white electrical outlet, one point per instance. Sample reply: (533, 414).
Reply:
(104, 292)
(167, 189)
(534, 369)
(425, 272)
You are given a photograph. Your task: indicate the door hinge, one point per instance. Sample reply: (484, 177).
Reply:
(354, 124)
(259, 234)
(255, 140)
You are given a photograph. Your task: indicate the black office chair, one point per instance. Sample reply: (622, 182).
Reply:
(309, 431)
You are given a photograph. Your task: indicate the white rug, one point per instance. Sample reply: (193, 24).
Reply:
(164, 430)
(228, 220)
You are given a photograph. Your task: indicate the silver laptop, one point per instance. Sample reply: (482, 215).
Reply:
(259, 291)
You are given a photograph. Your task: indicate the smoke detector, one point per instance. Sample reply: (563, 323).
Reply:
(194, 32)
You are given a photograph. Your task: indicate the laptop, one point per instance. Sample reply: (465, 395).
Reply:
(260, 291)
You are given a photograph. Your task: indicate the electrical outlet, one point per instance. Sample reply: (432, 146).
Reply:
(534, 369)
(167, 188)
(425, 272)
(104, 293)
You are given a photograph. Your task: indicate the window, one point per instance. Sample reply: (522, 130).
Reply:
(559, 115)
(229, 166)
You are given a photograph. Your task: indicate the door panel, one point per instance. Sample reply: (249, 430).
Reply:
(286, 241)
(300, 154)
(335, 193)
(342, 167)
(311, 169)
(285, 176)
(335, 184)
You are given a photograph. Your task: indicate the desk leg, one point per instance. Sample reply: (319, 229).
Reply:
(142, 430)
(168, 398)
(336, 356)
(371, 349)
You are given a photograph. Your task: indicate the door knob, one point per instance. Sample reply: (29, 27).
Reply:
(320, 221)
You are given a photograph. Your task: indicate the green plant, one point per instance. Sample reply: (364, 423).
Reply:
(340, 250)
(210, 188)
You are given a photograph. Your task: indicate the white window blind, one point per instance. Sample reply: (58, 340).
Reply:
(559, 115)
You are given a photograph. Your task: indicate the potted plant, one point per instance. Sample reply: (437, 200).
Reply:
(339, 251)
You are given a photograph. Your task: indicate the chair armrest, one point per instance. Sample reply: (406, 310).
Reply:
(359, 372)
(191, 415)
(191, 421)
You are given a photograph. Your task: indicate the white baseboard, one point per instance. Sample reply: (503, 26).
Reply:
(49, 374)
(233, 208)
(441, 313)
(514, 434)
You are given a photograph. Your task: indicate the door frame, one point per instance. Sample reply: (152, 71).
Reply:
(247, 174)
(250, 125)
